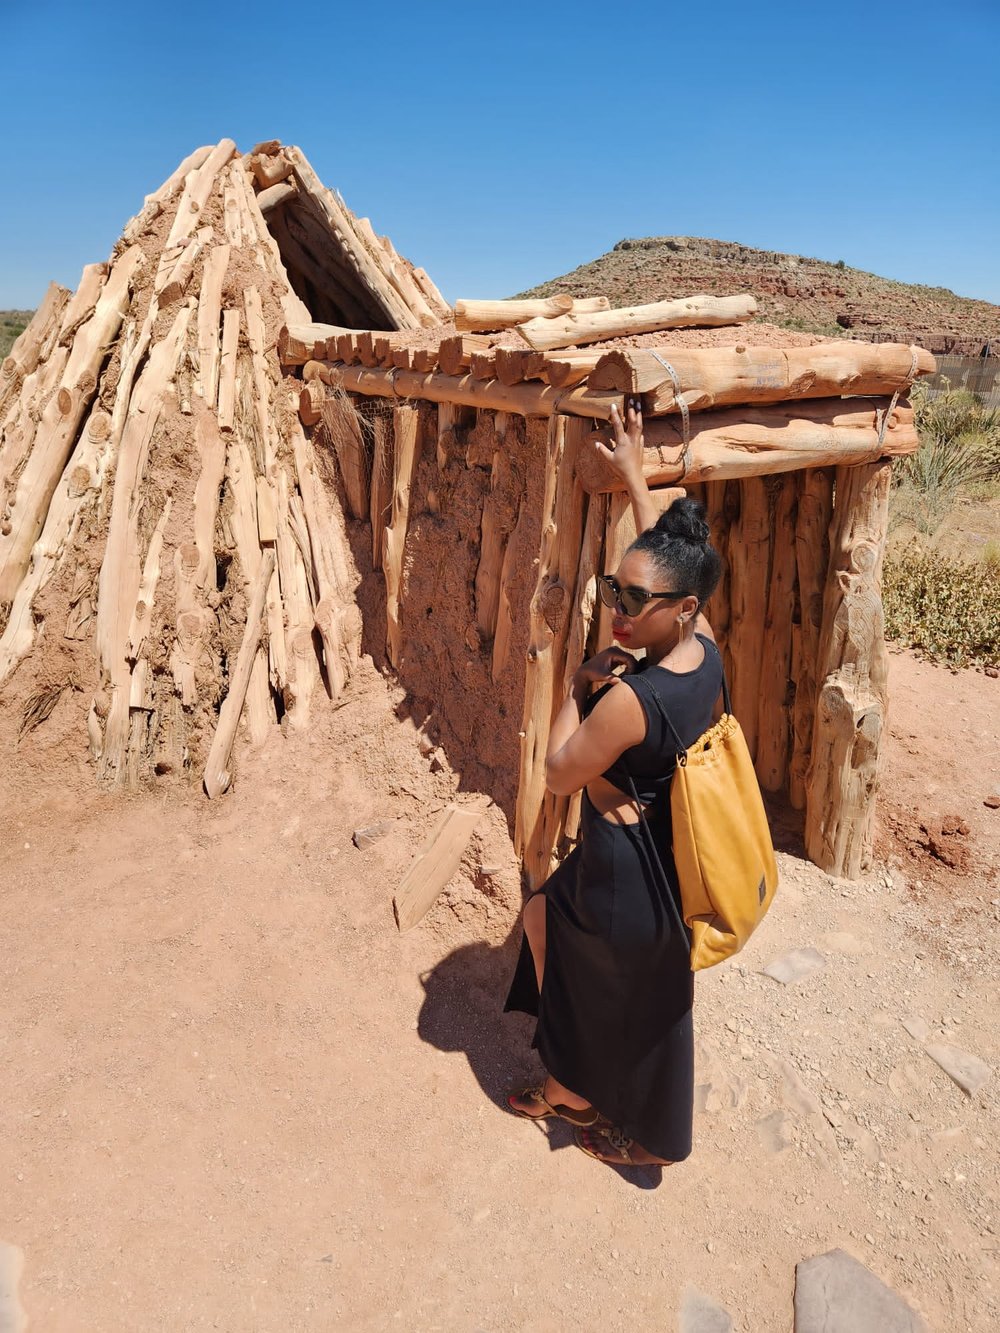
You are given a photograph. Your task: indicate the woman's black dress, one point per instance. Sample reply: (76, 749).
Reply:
(614, 1015)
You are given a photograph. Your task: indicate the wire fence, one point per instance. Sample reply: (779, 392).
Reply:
(979, 374)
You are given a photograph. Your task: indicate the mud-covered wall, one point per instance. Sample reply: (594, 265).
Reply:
(465, 693)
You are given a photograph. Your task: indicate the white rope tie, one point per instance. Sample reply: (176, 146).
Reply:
(685, 413)
(883, 418)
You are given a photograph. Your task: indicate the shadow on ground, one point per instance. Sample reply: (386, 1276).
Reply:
(462, 1011)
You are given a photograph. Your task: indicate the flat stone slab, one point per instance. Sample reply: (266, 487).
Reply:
(12, 1315)
(366, 837)
(700, 1314)
(917, 1027)
(794, 965)
(834, 1293)
(968, 1071)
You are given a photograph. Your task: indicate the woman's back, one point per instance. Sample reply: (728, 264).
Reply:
(687, 697)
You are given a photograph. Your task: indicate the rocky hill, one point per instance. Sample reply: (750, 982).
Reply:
(794, 292)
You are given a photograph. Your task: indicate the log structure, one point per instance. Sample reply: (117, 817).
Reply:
(257, 417)
(774, 441)
(166, 536)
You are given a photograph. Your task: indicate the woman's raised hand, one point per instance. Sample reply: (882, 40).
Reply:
(626, 456)
(602, 667)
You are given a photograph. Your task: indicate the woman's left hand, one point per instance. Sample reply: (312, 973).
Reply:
(626, 455)
(602, 667)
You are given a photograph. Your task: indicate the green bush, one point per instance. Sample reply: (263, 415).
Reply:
(948, 610)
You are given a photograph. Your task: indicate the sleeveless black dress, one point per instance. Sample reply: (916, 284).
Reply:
(614, 1013)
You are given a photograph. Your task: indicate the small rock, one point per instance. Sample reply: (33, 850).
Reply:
(13, 1318)
(775, 1131)
(992, 802)
(991, 671)
(968, 1071)
(834, 1293)
(701, 1314)
(363, 838)
(916, 1027)
(794, 965)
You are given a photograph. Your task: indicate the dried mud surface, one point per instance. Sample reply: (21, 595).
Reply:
(236, 1098)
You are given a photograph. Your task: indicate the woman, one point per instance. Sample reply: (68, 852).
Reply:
(603, 964)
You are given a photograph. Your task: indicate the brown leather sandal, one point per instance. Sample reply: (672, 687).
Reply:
(582, 1116)
(621, 1143)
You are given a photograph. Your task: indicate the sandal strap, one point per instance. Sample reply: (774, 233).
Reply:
(620, 1141)
(538, 1095)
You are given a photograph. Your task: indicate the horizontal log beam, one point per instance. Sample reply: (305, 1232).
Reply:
(527, 400)
(688, 312)
(752, 442)
(714, 376)
(492, 316)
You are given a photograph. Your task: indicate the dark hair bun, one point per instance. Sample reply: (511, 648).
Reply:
(685, 519)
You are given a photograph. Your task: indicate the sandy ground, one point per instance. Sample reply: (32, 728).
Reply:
(236, 1098)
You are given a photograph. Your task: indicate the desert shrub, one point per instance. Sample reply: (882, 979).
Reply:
(948, 610)
(959, 453)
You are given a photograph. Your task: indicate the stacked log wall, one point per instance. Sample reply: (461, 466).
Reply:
(494, 604)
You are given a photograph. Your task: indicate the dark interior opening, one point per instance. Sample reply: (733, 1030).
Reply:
(319, 271)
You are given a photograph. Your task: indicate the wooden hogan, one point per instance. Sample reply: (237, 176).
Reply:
(257, 442)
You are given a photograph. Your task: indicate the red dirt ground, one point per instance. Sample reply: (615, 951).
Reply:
(236, 1098)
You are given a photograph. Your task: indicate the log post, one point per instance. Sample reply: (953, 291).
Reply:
(539, 814)
(217, 776)
(227, 368)
(60, 423)
(718, 520)
(406, 458)
(776, 680)
(243, 521)
(336, 614)
(82, 477)
(749, 564)
(619, 536)
(505, 616)
(302, 661)
(32, 344)
(499, 516)
(209, 314)
(812, 557)
(380, 491)
(852, 674)
(120, 574)
(582, 616)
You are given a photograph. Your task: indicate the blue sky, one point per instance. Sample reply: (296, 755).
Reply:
(503, 144)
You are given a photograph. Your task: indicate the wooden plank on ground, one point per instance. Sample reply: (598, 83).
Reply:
(436, 862)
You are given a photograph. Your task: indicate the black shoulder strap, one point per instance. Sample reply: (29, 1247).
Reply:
(681, 750)
(682, 931)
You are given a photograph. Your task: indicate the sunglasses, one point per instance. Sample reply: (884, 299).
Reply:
(629, 601)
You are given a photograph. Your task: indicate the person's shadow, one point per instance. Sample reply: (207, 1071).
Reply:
(462, 1011)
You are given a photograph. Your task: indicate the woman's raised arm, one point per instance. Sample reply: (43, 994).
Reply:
(626, 459)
